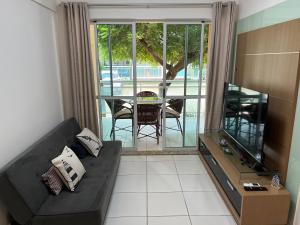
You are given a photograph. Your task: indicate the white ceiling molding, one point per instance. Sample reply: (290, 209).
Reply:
(250, 7)
(143, 1)
(49, 4)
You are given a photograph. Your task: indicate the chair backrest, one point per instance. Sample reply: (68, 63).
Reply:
(115, 105)
(176, 104)
(147, 94)
(148, 114)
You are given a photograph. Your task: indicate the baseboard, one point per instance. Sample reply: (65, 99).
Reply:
(164, 152)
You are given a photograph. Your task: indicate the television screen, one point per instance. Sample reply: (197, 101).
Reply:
(244, 119)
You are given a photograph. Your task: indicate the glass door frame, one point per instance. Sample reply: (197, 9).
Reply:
(98, 65)
(199, 97)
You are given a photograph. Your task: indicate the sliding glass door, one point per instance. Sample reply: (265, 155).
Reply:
(184, 83)
(116, 81)
(167, 59)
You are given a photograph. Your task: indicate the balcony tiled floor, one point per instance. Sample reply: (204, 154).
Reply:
(173, 138)
(165, 190)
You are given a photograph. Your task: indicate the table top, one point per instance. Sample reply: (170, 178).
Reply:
(149, 101)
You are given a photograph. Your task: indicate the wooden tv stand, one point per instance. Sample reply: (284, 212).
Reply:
(248, 208)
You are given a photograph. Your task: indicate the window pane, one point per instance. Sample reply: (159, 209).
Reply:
(175, 59)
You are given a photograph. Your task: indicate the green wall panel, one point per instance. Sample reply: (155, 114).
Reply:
(282, 12)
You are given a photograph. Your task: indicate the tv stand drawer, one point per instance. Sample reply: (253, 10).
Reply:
(231, 192)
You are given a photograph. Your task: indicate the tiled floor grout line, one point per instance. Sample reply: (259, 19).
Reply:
(187, 209)
(161, 192)
(146, 162)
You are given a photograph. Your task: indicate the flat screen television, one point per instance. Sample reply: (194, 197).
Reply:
(245, 118)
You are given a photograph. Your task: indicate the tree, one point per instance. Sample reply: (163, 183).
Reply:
(149, 47)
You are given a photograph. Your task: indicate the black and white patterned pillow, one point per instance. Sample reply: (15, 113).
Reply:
(53, 181)
(92, 143)
(69, 168)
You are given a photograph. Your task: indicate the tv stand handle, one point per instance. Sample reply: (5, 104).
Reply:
(230, 185)
(214, 161)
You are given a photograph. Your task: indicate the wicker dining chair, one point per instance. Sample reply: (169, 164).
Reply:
(120, 109)
(147, 94)
(148, 115)
(173, 111)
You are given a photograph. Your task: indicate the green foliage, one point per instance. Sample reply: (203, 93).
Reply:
(121, 43)
(149, 48)
(152, 33)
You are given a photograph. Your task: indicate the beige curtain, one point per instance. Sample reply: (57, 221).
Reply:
(3, 215)
(77, 78)
(222, 36)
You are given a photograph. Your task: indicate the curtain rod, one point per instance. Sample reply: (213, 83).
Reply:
(154, 5)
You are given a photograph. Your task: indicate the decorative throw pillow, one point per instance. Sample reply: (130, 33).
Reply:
(69, 168)
(90, 141)
(79, 150)
(53, 181)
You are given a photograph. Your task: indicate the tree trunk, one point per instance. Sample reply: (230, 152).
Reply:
(173, 69)
(171, 75)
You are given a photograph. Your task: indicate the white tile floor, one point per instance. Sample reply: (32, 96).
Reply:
(165, 190)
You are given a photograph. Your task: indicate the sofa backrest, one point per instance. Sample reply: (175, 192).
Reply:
(21, 187)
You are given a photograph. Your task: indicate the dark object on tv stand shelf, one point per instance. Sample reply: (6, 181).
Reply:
(255, 189)
(29, 202)
(260, 169)
(223, 142)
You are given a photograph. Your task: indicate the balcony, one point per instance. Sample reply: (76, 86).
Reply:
(124, 89)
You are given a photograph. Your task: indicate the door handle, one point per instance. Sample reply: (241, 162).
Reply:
(164, 93)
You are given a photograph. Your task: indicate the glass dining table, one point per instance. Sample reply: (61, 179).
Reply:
(149, 101)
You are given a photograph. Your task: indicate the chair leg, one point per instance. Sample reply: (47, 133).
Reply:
(139, 129)
(112, 128)
(132, 127)
(179, 125)
(161, 123)
(157, 133)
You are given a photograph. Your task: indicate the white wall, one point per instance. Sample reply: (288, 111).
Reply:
(30, 99)
(250, 7)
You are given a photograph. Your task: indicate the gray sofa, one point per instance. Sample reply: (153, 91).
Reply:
(27, 198)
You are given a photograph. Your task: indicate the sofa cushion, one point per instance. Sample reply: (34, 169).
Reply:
(79, 150)
(21, 179)
(91, 142)
(91, 198)
(69, 168)
(53, 181)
